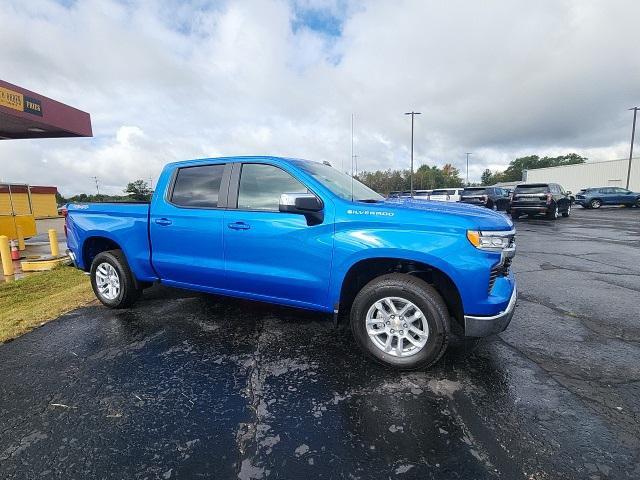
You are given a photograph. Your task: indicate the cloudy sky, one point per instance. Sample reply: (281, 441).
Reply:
(170, 80)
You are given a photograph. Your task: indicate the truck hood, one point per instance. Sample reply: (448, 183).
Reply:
(476, 217)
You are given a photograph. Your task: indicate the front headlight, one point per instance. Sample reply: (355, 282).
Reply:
(493, 241)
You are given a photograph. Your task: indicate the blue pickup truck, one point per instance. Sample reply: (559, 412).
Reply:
(406, 273)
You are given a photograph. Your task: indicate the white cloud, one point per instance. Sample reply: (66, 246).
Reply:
(180, 80)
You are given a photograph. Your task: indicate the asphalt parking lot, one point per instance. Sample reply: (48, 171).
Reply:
(195, 386)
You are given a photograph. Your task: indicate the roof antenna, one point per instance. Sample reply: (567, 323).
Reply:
(352, 157)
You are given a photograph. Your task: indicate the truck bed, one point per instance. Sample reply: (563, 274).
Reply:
(126, 224)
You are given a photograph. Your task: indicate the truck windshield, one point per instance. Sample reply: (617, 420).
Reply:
(340, 183)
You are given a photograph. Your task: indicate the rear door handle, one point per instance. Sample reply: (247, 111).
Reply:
(163, 221)
(239, 226)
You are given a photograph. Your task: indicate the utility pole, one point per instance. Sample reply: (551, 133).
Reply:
(352, 157)
(633, 134)
(413, 114)
(467, 154)
(355, 161)
(97, 184)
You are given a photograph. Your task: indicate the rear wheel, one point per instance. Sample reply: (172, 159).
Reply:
(553, 213)
(568, 212)
(112, 280)
(595, 203)
(400, 321)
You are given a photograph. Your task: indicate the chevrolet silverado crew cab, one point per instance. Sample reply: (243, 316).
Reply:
(405, 273)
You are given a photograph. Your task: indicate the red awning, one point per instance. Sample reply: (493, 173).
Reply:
(26, 114)
(22, 188)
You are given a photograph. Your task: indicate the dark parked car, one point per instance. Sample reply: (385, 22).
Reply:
(495, 198)
(598, 196)
(548, 199)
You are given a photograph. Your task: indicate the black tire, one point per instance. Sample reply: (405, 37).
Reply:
(515, 214)
(423, 296)
(595, 203)
(567, 212)
(553, 212)
(129, 292)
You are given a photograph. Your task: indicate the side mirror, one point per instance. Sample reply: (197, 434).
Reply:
(568, 192)
(306, 204)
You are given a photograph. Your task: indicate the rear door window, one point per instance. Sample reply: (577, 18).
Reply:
(197, 187)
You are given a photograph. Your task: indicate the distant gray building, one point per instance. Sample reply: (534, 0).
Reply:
(589, 174)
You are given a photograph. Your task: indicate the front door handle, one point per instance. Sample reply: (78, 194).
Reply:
(163, 221)
(239, 226)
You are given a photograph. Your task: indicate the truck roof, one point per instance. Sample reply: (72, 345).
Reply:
(237, 158)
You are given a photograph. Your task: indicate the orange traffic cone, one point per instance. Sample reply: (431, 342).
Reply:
(15, 253)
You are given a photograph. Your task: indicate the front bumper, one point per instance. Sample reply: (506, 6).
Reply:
(72, 256)
(485, 326)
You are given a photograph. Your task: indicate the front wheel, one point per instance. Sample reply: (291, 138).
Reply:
(595, 203)
(112, 280)
(400, 321)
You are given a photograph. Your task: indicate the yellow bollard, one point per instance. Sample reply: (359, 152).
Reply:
(5, 253)
(20, 238)
(53, 242)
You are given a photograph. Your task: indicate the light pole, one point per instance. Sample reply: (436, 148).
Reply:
(633, 134)
(467, 154)
(413, 114)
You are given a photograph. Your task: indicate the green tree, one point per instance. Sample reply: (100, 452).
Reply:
(486, 177)
(60, 200)
(513, 173)
(139, 190)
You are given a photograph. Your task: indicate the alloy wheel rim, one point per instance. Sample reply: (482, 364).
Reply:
(107, 281)
(397, 327)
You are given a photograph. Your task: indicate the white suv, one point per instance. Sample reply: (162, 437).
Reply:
(446, 194)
